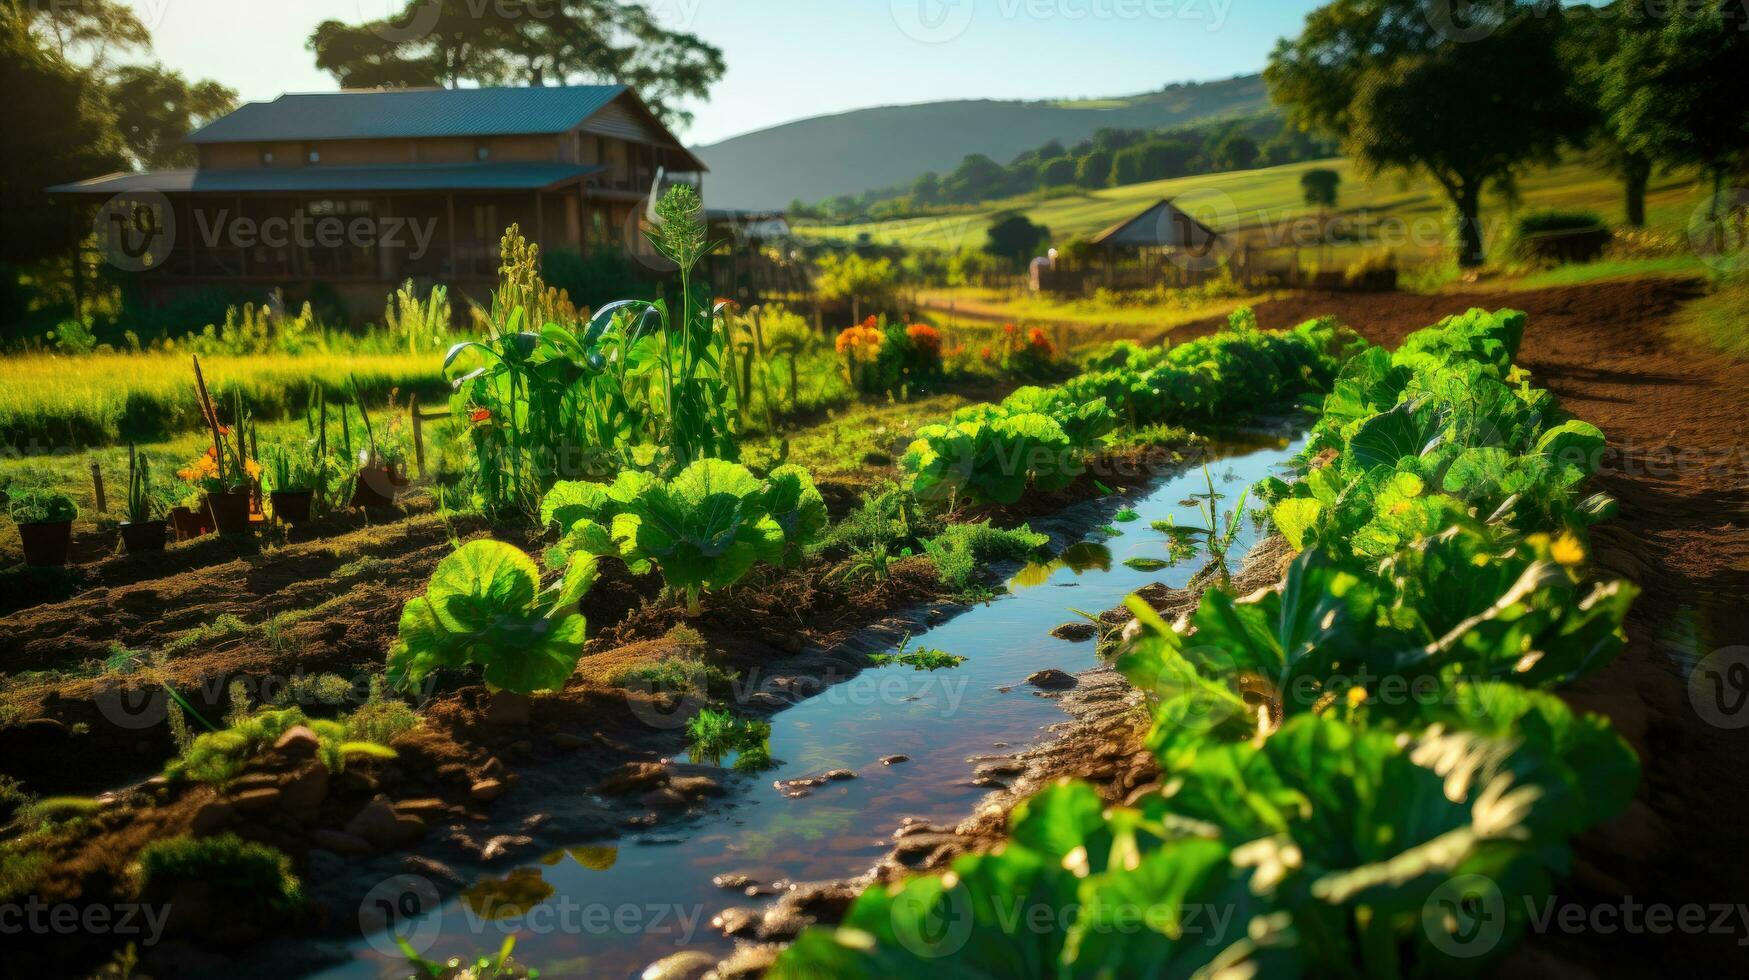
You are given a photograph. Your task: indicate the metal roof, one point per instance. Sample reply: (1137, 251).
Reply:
(411, 113)
(321, 179)
(1160, 226)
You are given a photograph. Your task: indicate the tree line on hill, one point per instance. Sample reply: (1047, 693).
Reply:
(1113, 157)
(1470, 96)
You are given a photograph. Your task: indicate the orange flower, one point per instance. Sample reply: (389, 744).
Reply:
(864, 336)
(1040, 342)
(986, 354)
(480, 415)
(1008, 329)
(872, 323)
(925, 337)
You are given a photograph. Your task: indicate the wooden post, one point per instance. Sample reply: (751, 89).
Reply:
(418, 433)
(97, 488)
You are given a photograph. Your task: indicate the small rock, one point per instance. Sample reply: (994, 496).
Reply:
(340, 842)
(358, 783)
(378, 823)
(211, 818)
(693, 787)
(493, 767)
(893, 760)
(734, 882)
(257, 800)
(486, 790)
(298, 742)
(306, 788)
(43, 726)
(1079, 632)
(793, 643)
(453, 772)
(502, 845)
(522, 746)
(431, 868)
(664, 798)
(735, 921)
(1052, 679)
(690, 965)
(534, 821)
(838, 775)
(425, 809)
(633, 777)
(748, 962)
(567, 742)
(1004, 768)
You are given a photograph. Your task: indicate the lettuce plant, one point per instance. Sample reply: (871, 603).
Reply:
(704, 529)
(485, 608)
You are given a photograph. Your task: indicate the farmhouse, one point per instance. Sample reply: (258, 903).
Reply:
(348, 194)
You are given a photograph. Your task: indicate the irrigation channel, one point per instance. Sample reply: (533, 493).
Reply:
(619, 905)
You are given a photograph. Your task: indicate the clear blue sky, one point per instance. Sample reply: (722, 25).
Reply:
(789, 59)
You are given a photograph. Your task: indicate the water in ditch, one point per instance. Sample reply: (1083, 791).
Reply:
(610, 908)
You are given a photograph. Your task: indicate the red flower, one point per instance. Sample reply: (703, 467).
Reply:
(480, 415)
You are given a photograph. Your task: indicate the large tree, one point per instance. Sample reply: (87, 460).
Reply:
(156, 107)
(1468, 103)
(1675, 91)
(522, 42)
(84, 34)
(58, 128)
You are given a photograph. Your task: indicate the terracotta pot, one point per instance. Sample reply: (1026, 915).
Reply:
(292, 506)
(376, 486)
(144, 536)
(230, 511)
(188, 523)
(45, 545)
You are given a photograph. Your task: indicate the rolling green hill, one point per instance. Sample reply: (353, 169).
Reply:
(1258, 204)
(866, 149)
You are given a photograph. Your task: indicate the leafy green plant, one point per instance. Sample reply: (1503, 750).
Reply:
(244, 876)
(643, 384)
(712, 734)
(1216, 535)
(484, 607)
(922, 658)
(39, 505)
(962, 551)
(704, 529)
(146, 501)
(498, 966)
(219, 756)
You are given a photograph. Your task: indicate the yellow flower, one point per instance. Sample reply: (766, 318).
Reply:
(1568, 550)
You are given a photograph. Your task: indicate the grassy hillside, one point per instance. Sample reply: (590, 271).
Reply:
(1260, 204)
(871, 148)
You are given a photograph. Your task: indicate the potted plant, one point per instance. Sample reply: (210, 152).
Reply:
(382, 464)
(189, 518)
(292, 473)
(145, 528)
(45, 523)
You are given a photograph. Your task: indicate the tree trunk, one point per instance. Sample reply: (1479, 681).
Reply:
(1636, 174)
(1471, 251)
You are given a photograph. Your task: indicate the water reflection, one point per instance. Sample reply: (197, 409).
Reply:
(1086, 556)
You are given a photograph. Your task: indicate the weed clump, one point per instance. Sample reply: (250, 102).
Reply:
(241, 874)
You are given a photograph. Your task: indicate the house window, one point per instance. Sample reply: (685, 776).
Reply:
(266, 158)
(315, 157)
(482, 152)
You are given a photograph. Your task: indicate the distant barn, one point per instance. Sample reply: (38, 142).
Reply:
(1162, 226)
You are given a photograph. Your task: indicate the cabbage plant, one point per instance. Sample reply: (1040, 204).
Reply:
(485, 608)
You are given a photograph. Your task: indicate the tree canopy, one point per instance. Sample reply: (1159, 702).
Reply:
(522, 42)
(1468, 104)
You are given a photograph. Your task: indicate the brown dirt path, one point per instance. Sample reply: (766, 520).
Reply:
(1678, 424)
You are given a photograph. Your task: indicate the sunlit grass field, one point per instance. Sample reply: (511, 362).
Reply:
(1257, 202)
(50, 402)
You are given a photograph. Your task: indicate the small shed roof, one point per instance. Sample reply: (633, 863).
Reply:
(321, 179)
(1161, 226)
